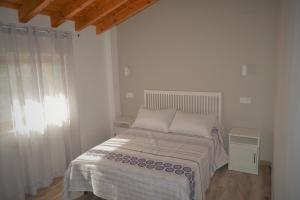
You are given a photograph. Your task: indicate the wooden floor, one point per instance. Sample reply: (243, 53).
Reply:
(225, 185)
(232, 185)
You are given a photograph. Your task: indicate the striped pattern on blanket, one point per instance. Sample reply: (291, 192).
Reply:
(145, 165)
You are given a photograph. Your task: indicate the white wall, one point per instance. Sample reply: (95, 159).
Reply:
(91, 78)
(201, 46)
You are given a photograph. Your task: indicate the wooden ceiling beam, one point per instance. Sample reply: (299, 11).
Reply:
(98, 13)
(57, 19)
(77, 7)
(103, 14)
(31, 8)
(70, 12)
(117, 18)
(9, 4)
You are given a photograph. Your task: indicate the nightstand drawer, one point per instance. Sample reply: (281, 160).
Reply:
(244, 147)
(243, 140)
(243, 158)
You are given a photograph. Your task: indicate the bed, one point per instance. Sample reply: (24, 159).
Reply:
(151, 165)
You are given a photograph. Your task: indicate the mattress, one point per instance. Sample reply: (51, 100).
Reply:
(142, 164)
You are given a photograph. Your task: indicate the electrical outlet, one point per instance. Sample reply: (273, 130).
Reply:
(129, 95)
(245, 100)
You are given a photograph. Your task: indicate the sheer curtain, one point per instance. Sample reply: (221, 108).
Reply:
(286, 158)
(38, 121)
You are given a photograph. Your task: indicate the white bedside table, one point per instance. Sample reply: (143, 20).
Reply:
(244, 147)
(122, 123)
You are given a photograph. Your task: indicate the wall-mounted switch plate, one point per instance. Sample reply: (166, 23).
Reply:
(129, 95)
(245, 100)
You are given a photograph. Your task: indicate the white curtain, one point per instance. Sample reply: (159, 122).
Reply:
(286, 155)
(38, 119)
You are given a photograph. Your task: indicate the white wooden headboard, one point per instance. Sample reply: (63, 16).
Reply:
(195, 102)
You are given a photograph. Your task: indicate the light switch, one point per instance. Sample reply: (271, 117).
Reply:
(245, 100)
(129, 95)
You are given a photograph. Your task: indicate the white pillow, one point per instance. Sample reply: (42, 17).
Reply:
(158, 120)
(193, 124)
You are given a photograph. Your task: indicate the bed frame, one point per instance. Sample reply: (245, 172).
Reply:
(195, 102)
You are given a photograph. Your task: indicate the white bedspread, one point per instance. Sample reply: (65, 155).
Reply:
(147, 165)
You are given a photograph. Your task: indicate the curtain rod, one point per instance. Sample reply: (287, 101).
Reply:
(39, 29)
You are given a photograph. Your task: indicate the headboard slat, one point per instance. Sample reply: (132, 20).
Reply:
(196, 102)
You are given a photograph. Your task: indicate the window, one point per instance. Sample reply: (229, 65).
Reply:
(5, 101)
(39, 109)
